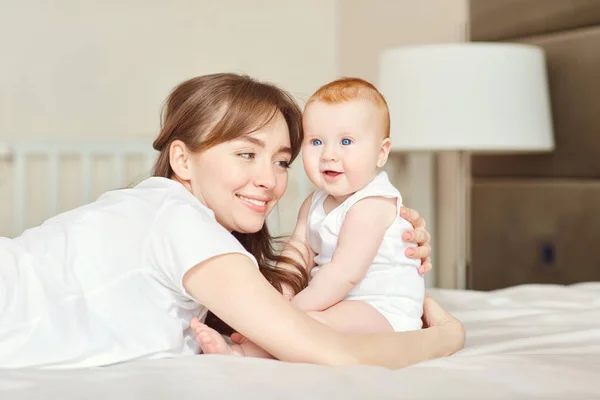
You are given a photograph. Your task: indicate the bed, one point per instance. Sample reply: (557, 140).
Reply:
(524, 342)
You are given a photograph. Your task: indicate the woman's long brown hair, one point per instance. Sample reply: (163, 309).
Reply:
(208, 110)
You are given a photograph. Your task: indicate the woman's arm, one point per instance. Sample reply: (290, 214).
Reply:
(234, 290)
(360, 238)
(232, 287)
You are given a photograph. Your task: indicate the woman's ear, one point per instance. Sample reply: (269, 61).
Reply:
(384, 151)
(179, 158)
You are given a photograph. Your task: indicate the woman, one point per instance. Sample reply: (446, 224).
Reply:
(122, 277)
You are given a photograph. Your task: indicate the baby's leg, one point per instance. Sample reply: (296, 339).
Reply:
(351, 316)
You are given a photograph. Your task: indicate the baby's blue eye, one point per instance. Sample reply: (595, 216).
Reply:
(346, 142)
(316, 142)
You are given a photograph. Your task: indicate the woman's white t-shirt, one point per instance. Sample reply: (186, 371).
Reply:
(102, 284)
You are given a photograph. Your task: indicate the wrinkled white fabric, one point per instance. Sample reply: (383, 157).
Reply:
(526, 342)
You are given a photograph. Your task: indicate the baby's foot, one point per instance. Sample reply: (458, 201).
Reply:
(211, 341)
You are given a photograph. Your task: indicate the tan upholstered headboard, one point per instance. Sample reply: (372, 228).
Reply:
(536, 218)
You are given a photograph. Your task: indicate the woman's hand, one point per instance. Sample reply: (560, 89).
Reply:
(420, 236)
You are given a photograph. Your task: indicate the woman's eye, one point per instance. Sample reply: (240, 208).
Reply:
(346, 142)
(316, 142)
(247, 156)
(283, 164)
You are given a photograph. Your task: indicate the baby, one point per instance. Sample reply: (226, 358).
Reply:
(361, 280)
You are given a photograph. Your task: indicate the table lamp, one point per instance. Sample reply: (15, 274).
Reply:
(463, 98)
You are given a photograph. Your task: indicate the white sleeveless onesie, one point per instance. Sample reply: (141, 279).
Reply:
(392, 285)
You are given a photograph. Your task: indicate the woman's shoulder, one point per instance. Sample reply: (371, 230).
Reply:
(191, 217)
(185, 233)
(185, 223)
(172, 198)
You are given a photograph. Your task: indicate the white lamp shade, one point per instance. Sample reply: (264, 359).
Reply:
(469, 96)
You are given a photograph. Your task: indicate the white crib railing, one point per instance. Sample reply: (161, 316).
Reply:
(20, 155)
(52, 151)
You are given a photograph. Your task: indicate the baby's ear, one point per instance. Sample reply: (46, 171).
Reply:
(179, 158)
(384, 152)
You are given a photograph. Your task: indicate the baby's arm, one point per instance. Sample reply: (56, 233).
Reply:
(297, 247)
(360, 238)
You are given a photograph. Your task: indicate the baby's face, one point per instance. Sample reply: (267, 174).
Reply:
(343, 146)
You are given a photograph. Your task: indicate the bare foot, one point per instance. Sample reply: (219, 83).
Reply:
(211, 341)
(435, 315)
(238, 338)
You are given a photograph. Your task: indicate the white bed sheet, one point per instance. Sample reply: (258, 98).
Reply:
(525, 342)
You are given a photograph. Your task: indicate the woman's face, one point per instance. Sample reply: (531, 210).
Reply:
(242, 180)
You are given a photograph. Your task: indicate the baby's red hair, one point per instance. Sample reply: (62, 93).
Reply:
(348, 89)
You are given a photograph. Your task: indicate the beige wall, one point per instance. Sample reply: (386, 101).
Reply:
(102, 69)
(90, 69)
(87, 69)
(368, 27)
